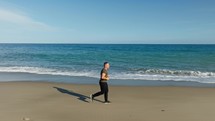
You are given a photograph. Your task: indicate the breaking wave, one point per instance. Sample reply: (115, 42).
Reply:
(135, 74)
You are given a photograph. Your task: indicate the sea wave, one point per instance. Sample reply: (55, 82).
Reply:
(141, 74)
(48, 71)
(173, 72)
(169, 75)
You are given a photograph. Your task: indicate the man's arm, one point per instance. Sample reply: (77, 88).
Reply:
(104, 77)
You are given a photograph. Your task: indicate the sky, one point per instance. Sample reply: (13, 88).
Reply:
(108, 21)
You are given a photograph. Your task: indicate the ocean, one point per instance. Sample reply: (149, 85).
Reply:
(131, 64)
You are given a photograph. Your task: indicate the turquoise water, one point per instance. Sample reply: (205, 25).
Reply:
(195, 63)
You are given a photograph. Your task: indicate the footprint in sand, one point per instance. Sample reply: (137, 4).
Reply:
(26, 119)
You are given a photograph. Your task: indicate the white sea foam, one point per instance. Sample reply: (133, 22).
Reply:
(38, 70)
(201, 79)
(150, 74)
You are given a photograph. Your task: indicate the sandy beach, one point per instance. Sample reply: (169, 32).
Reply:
(40, 101)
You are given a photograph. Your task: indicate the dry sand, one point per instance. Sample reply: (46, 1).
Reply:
(37, 101)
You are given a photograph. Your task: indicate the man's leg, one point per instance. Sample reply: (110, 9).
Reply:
(106, 92)
(101, 92)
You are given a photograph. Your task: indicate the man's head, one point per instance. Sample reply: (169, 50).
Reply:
(106, 65)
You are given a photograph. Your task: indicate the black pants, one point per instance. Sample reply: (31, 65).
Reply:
(104, 90)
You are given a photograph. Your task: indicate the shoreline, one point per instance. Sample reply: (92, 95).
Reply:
(49, 101)
(17, 77)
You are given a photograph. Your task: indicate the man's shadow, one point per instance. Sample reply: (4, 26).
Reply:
(79, 96)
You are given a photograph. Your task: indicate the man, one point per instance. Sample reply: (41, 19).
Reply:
(103, 84)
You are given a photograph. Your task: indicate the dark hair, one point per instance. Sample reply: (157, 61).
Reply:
(105, 63)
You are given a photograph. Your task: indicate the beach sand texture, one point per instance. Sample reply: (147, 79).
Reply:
(39, 101)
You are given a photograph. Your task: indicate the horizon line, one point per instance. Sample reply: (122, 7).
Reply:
(118, 43)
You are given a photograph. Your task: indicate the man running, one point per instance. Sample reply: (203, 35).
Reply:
(103, 84)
